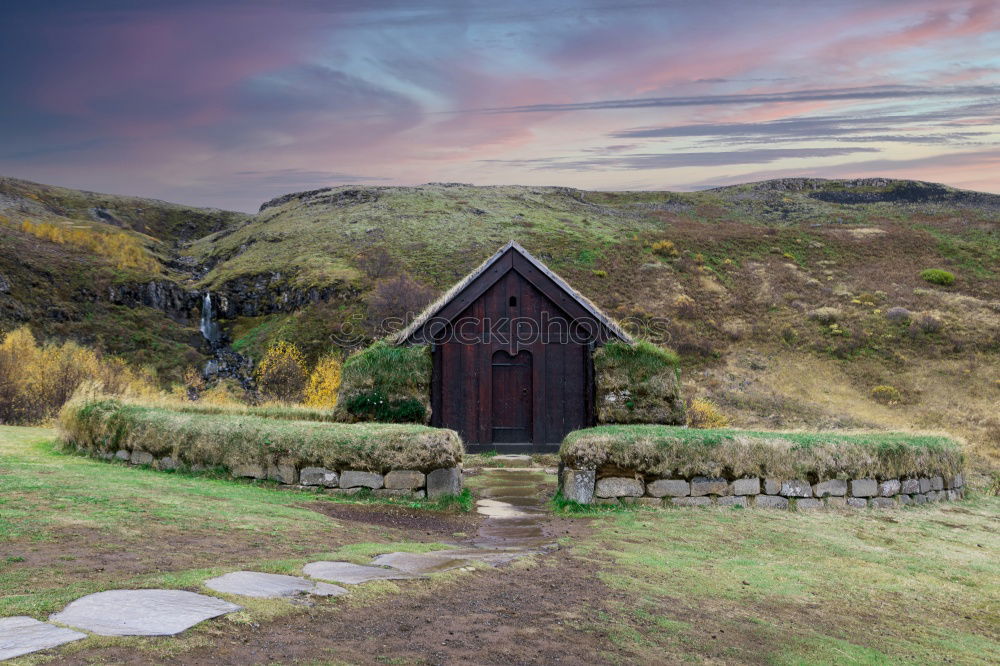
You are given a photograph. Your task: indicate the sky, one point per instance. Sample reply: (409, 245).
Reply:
(229, 103)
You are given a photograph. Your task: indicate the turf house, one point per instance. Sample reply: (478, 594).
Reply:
(512, 355)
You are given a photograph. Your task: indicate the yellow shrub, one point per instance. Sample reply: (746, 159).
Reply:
(665, 248)
(281, 374)
(37, 380)
(685, 306)
(224, 392)
(887, 395)
(324, 383)
(705, 414)
(123, 250)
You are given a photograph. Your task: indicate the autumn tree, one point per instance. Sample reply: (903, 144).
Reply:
(281, 374)
(36, 379)
(377, 263)
(395, 301)
(324, 383)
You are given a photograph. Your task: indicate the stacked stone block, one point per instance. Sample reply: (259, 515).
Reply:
(591, 487)
(405, 483)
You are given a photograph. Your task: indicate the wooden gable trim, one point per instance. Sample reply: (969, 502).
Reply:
(510, 257)
(558, 296)
(474, 290)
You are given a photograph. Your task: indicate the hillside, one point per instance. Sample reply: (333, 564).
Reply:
(789, 300)
(74, 273)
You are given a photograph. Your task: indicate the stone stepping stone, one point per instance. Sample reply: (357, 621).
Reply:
(24, 635)
(528, 493)
(421, 563)
(351, 574)
(270, 586)
(141, 612)
(499, 509)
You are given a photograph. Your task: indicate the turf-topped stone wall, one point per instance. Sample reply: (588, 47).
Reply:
(667, 466)
(389, 459)
(638, 383)
(387, 383)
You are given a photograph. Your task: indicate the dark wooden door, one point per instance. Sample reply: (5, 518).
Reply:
(512, 397)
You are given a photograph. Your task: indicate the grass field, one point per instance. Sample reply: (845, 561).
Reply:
(70, 525)
(759, 586)
(913, 586)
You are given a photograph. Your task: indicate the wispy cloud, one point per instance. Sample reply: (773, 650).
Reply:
(674, 160)
(953, 124)
(865, 93)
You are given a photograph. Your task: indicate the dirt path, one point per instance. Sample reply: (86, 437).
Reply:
(536, 610)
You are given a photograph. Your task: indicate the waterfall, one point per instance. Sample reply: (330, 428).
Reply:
(224, 363)
(209, 327)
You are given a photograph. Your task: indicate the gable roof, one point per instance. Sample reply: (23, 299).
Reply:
(434, 308)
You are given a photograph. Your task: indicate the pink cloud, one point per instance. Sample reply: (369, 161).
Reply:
(179, 60)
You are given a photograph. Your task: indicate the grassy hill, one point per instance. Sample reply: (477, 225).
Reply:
(792, 302)
(58, 274)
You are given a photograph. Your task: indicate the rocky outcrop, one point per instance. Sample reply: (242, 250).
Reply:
(164, 295)
(327, 196)
(226, 363)
(249, 296)
(878, 190)
(268, 293)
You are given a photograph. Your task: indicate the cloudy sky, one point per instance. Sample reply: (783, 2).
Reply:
(228, 103)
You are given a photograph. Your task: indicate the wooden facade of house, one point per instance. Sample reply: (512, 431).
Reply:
(512, 347)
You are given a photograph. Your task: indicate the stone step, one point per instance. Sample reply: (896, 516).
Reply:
(141, 612)
(22, 635)
(270, 586)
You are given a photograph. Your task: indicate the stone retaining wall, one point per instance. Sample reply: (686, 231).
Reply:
(395, 483)
(594, 487)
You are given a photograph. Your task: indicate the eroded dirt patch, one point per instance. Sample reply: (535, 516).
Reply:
(418, 523)
(83, 553)
(547, 613)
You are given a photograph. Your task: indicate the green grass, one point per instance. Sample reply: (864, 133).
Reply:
(938, 276)
(634, 434)
(669, 450)
(462, 502)
(70, 526)
(915, 586)
(975, 250)
(386, 382)
(228, 439)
